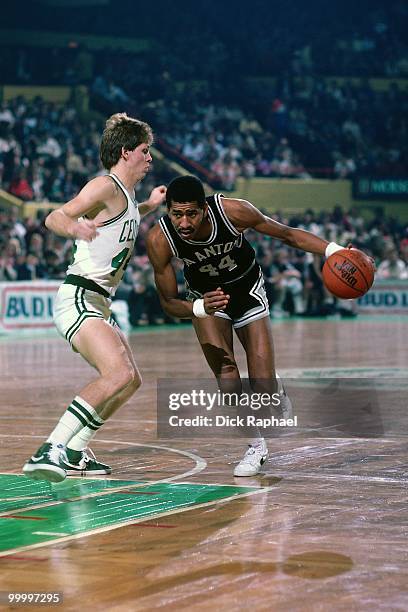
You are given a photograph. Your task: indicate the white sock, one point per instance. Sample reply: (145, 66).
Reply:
(78, 415)
(82, 439)
(257, 442)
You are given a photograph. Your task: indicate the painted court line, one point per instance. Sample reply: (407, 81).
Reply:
(124, 488)
(201, 463)
(156, 515)
(59, 502)
(49, 533)
(23, 518)
(356, 477)
(21, 497)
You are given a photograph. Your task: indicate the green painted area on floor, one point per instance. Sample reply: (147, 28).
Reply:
(81, 505)
(18, 492)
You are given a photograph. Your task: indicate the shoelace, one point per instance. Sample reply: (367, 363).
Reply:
(87, 456)
(54, 453)
(249, 455)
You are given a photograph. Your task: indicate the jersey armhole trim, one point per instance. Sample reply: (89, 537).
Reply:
(114, 219)
(127, 196)
(217, 198)
(166, 233)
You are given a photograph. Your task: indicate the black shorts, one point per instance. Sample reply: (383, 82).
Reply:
(248, 301)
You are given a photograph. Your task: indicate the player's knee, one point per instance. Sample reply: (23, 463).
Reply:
(124, 377)
(227, 368)
(135, 380)
(132, 379)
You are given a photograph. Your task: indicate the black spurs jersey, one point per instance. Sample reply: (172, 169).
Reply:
(224, 258)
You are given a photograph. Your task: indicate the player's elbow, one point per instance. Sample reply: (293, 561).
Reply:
(49, 220)
(165, 304)
(289, 237)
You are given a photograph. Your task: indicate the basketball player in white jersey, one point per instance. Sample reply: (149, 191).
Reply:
(104, 220)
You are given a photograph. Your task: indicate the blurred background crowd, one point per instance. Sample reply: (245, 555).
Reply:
(293, 278)
(279, 94)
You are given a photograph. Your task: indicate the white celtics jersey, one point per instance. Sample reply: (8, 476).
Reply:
(104, 260)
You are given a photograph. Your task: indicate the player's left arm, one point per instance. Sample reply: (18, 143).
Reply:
(243, 215)
(156, 198)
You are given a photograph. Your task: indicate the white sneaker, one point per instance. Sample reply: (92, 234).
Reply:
(252, 461)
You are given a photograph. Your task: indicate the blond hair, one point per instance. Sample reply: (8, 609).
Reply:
(122, 131)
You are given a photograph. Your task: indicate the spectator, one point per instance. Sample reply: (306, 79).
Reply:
(287, 286)
(8, 270)
(392, 267)
(20, 186)
(29, 267)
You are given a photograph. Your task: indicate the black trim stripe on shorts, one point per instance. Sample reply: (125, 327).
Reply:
(86, 283)
(82, 312)
(254, 313)
(262, 309)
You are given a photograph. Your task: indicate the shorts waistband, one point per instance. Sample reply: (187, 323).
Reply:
(85, 283)
(247, 271)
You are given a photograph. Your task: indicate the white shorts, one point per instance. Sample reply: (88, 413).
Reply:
(74, 305)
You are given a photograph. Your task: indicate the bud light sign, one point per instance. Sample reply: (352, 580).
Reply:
(27, 305)
(385, 297)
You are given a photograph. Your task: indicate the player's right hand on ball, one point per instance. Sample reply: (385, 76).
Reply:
(215, 300)
(350, 246)
(86, 230)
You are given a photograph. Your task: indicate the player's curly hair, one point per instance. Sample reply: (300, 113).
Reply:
(185, 189)
(122, 131)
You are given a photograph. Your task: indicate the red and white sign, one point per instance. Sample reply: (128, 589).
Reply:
(27, 305)
(385, 297)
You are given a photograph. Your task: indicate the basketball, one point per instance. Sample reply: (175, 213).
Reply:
(348, 273)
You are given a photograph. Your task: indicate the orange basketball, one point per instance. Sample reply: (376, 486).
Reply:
(348, 273)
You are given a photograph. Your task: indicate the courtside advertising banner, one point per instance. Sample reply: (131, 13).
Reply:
(385, 297)
(27, 305)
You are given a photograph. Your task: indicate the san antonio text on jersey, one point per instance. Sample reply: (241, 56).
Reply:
(221, 260)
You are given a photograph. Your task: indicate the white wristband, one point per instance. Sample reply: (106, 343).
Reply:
(198, 309)
(331, 248)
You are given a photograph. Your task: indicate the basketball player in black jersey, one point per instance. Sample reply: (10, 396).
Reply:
(224, 282)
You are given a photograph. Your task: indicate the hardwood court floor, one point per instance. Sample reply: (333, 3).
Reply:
(323, 528)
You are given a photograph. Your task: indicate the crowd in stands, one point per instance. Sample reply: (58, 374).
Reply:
(287, 116)
(317, 129)
(293, 278)
(366, 38)
(47, 153)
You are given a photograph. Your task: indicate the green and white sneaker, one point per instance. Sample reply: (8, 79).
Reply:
(46, 464)
(83, 463)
